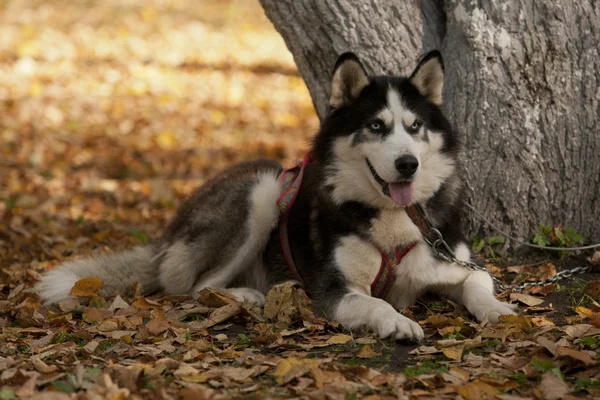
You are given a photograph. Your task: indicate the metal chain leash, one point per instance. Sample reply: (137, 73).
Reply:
(451, 257)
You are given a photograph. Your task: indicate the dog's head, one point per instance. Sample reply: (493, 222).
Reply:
(385, 141)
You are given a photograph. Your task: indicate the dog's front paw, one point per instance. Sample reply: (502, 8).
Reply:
(399, 327)
(492, 312)
(248, 295)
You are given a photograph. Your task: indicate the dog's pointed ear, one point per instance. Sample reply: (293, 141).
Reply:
(428, 77)
(349, 79)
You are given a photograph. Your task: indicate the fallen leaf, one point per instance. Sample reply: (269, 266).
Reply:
(291, 368)
(592, 288)
(339, 339)
(218, 316)
(157, 326)
(541, 321)
(578, 355)
(41, 366)
(28, 388)
(596, 319)
(552, 387)
(367, 352)
(477, 390)
(454, 352)
(526, 299)
(548, 344)
(595, 258)
(87, 287)
(577, 331)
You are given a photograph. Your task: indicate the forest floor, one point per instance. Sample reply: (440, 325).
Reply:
(111, 113)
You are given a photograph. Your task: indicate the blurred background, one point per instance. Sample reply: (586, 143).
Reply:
(112, 111)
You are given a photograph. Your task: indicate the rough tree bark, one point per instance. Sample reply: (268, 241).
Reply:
(522, 86)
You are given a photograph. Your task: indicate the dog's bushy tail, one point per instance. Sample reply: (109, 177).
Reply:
(117, 271)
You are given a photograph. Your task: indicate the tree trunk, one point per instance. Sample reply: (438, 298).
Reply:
(522, 87)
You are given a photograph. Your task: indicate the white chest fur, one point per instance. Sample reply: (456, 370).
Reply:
(394, 228)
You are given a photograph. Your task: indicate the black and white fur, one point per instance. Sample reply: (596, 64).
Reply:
(226, 236)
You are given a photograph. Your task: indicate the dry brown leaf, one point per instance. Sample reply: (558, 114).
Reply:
(592, 289)
(196, 393)
(440, 321)
(578, 355)
(577, 331)
(218, 316)
(548, 344)
(157, 326)
(523, 322)
(526, 299)
(42, 366)
(286, 302)
(216, 298)
(477, 390)
(552, 387)
(367, 352)
(88, 287)
(596, 319)
(108, 326)
(595, 258)
(68, 304)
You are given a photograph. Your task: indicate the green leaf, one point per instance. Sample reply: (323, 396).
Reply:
(561, 236)
(92, 373)
(542, 365)
(496, 240)
(545, 229)
(7, 394)
(477, 244)
(64, 387)
(573, 236)
(540, 240)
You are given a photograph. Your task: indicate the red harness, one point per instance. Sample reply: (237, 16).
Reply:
(291, 180)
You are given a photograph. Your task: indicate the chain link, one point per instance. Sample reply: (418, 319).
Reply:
(451, 257)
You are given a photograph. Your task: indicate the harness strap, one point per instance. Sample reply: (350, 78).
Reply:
(387, 275)
(291, 180)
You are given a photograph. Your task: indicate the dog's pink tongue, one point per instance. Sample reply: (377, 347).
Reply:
(401, 193)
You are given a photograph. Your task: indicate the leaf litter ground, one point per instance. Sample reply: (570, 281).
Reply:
(112, 113)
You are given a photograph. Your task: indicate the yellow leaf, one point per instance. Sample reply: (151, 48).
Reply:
(541, 321)
(477, 390)
(584, 311)
(339, 339)
(291, 368)
(454, 352)
(523, 323)
(87, 287)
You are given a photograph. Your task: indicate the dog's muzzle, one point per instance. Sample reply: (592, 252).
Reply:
(384, 185)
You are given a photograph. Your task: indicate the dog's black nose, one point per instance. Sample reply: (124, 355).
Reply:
(407, 166)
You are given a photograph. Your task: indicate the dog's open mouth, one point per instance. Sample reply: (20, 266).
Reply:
(400, 192)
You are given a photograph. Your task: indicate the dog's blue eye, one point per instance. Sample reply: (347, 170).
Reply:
(416, 125)
(376, 126)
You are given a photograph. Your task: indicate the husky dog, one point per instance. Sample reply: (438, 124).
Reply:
(342, 225)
